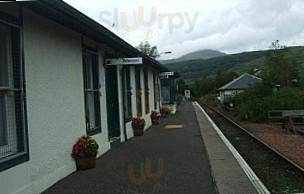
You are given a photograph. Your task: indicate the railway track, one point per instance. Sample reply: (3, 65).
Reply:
(278, 173)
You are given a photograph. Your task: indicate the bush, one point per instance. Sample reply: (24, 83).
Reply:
(254, 103)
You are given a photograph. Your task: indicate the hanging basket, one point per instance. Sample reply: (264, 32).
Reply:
(85, 162)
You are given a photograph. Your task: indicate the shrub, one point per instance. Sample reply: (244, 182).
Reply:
(255, 102)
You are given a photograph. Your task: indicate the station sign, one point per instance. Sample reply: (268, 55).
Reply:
(163, 76)
(125, 61)
(166, 73)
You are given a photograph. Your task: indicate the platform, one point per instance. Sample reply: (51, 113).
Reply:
(181, 155)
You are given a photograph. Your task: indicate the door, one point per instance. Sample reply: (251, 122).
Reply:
(112, 103)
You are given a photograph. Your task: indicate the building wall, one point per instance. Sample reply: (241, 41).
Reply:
(128, 126)
(55, 106)
(102, 138)
(129, 129)
(231, 93)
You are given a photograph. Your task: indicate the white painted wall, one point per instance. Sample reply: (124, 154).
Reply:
(129, 128)
(55, 106)
(228, 92)
(102, 138)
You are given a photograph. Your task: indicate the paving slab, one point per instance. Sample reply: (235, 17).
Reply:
(228, 174)
(170, 161)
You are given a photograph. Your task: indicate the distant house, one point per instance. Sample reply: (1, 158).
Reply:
(235, 86)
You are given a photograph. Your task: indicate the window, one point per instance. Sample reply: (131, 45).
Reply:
(91, 89)
(127, 94)
(13, 142)
(138, 92)
(146, 80)
(165, 93)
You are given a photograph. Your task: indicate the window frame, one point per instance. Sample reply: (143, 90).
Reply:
(95, 90)
(138, 89)
(127, 94)
(147, 91)
(22, 153)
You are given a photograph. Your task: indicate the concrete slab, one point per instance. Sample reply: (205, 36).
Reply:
(178, 155)
(227, 173)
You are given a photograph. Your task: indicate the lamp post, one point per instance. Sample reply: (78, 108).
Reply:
(166, 52)
(159, 54)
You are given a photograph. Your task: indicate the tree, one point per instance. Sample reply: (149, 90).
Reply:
(223, 78)
(146, 48)
(182, 86)
(280, 70)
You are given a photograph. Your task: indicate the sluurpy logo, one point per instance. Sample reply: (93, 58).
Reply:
(145, 175)
(148, 22)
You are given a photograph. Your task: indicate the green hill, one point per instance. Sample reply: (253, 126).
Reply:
(240, 63)
(202, 54)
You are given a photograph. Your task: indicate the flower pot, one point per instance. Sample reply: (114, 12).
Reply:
(85, 162)
(155, 121)
(138, 131)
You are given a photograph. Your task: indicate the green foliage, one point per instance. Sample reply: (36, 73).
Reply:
(287, 98)
(254, 103)
(280, 69)
(239, 63)
(206, 67)
(182, 86)
(224, 78)
(146, 48)
(211, 83)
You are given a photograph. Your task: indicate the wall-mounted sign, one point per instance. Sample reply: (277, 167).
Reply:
(166, 73)
(163, 76)
(125, 61)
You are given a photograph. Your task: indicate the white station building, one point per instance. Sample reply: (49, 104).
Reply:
(63, 75)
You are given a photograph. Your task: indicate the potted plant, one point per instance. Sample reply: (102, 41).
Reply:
(154, 117)
(84, 152)
(138, 125)
(165, 111)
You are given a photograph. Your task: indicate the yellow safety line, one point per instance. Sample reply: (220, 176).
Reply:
(174, 126)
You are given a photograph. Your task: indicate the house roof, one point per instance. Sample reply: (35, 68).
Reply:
(242, 82)
(62, 13)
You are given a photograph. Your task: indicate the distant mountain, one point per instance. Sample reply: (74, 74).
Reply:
(202, 54)
(240, 63)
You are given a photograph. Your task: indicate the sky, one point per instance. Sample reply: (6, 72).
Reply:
(230, 26)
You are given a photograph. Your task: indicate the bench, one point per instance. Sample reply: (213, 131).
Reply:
(287, 118)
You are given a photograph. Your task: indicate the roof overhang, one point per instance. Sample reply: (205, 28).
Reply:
(70, 17)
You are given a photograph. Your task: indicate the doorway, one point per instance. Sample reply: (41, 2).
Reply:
(112, 105)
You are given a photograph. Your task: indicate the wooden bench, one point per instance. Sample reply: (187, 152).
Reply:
(287, 118)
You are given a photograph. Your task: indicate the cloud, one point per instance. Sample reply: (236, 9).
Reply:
(227, 25)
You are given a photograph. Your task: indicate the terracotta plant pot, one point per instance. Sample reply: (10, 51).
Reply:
(155, 121)
(85, 162)
(139, 131)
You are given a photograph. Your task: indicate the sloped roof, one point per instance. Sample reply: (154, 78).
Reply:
(63, 13)
(241, 82)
